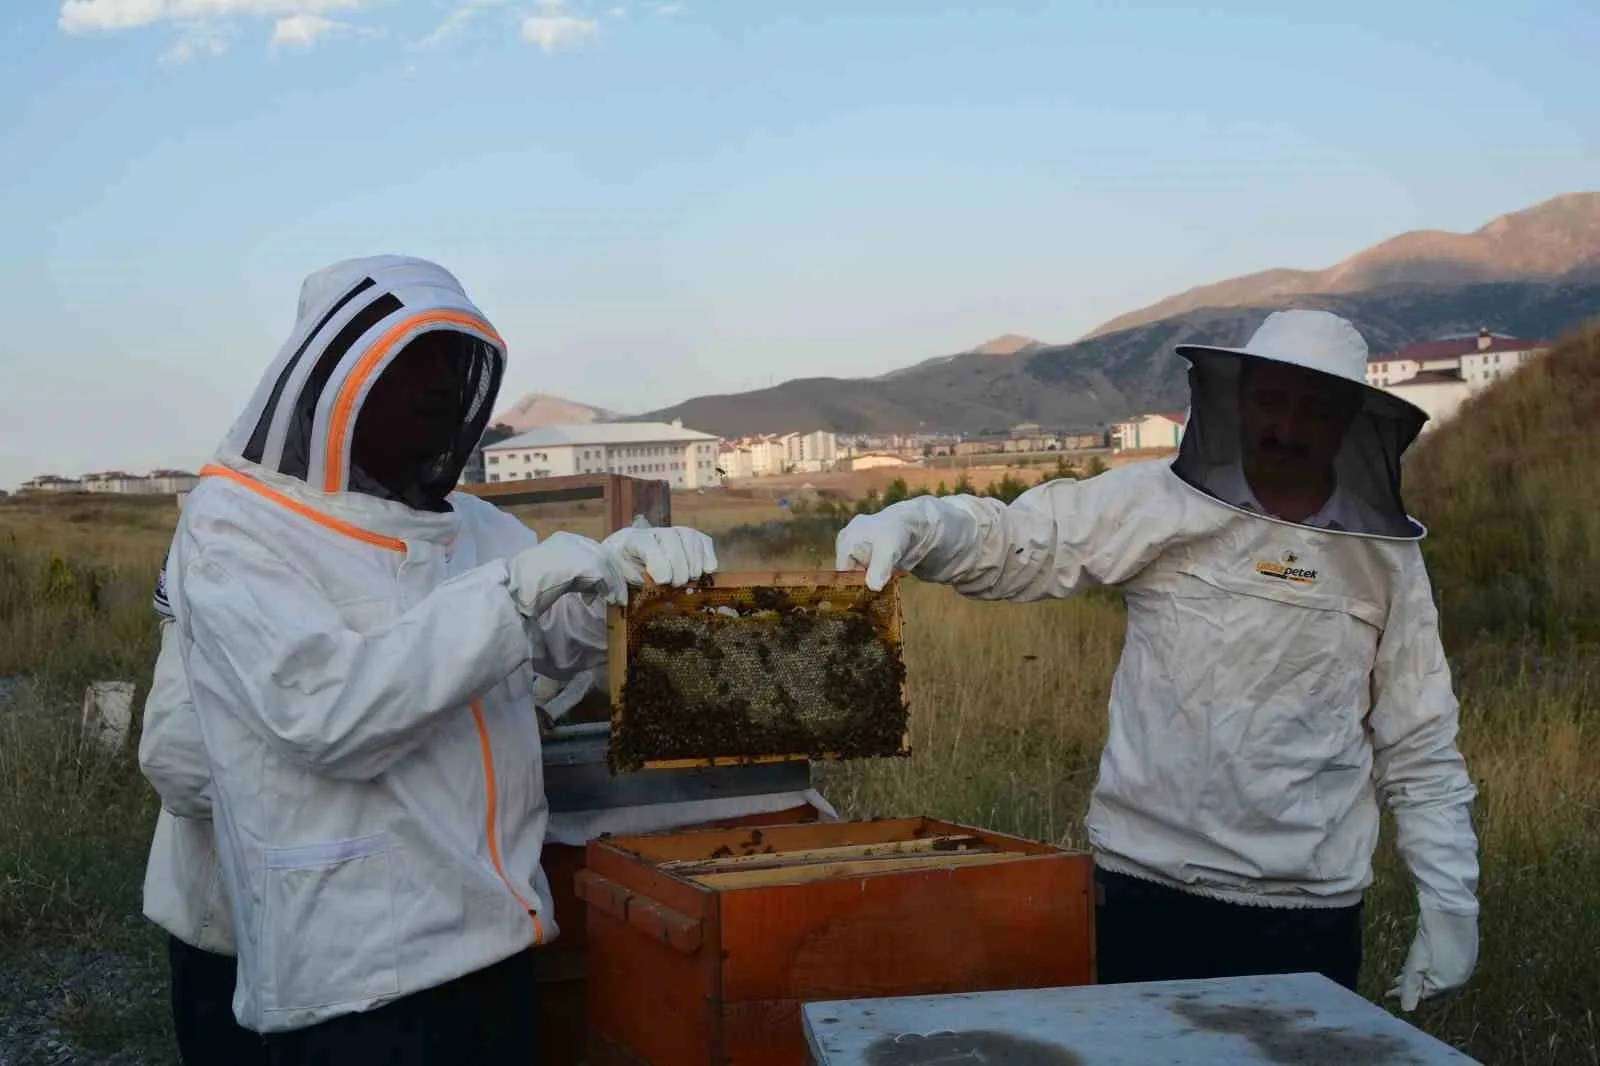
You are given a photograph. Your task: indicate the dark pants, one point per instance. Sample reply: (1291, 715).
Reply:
(202, 1010)
(485, 1018)
(1148, 932)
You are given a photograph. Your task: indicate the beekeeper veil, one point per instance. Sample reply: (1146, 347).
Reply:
(1374, 427)
(383, 388)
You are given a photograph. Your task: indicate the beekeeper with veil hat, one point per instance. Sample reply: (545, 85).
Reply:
(359, 644)
(1282, 674)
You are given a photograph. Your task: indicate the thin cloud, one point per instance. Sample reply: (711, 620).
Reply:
(670, 9)
(455, 21)
(87, 16)
(303, 30)
(552, 32)
(199, 38)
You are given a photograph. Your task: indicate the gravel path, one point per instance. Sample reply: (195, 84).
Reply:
(53, 993)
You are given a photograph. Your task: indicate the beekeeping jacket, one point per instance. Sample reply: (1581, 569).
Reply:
(182, 880)
(361, 675)
(1278, 680)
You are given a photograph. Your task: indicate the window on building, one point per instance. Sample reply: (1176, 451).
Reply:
(494, 460)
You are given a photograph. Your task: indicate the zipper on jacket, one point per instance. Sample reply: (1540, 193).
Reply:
(491, 803)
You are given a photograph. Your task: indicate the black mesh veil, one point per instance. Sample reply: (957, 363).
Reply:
(1367, 466)
(480, 367)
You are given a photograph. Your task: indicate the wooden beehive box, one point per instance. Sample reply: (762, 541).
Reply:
(703, 946)
(745, 668)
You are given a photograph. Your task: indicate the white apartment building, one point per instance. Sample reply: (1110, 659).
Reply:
(1478, 359)
(1439, 375)
(736, 461)
(812, 452)
(655, 451)
(1164, 430)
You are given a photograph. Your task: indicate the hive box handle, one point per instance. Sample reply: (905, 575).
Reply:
(655, 920)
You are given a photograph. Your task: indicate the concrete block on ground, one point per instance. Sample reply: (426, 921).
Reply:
(108, 713)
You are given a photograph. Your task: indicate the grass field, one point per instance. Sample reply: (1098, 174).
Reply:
(1009, 716)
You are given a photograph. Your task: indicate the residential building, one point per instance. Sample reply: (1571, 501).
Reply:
(655, 451)
(1438, 392)
(170, 482)
(474, 472)
(736, 461)
(1164, 430)
(811, 452)
(51, 483)
(1479, 359)
(1439, 375)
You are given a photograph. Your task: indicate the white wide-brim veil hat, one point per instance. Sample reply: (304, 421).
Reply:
(1368, 464)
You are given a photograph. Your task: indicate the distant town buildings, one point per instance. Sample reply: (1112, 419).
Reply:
(656, 451)
(155, 483)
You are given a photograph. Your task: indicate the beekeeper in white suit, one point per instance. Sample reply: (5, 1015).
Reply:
(1282, 672)
(360, 644)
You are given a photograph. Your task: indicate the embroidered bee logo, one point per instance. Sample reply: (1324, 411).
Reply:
(1287, 570)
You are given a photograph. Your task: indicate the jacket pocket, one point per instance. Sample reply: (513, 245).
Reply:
(328, 924)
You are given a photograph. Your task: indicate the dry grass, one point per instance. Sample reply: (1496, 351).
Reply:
(1008, 722)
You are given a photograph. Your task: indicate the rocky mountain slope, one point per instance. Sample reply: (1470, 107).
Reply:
(539, 409)
(1539, 243)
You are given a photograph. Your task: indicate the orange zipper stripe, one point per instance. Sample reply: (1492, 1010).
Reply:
(304, 510)
(366, 537)
(344, 407)
(493, 804)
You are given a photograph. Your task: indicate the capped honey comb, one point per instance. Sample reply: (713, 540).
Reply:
(743, 668)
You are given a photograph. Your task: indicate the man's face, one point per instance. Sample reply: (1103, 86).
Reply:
(1293, 420)
(413, 412)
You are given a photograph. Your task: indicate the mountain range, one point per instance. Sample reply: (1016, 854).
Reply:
(1534, 273)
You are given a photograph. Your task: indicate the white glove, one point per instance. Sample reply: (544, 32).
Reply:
(1442, 956)
(881, 542)
(564, 563)
(672, 556)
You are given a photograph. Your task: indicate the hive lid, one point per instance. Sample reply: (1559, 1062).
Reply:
(757, 667)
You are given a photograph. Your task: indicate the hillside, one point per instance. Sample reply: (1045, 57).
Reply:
(1008, 344)
(1541, 242)
(1091, 382)
(537, 410)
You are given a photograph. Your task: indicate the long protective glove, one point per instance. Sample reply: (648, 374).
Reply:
(1442, 956)
(564, 563)
(896, 538)
(672, 556)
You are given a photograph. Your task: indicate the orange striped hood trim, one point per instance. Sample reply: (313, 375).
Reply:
(336, 468)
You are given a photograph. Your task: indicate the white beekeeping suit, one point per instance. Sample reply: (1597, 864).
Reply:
(360, 644)
(183, 883)
(1279, 679)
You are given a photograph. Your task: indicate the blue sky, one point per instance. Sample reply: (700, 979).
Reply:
(657, 200)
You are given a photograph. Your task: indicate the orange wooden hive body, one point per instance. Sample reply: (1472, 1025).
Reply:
(702, 946)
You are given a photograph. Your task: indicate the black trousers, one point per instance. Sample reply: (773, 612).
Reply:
(485, 1018)
(202, 1010)
(1149, 932)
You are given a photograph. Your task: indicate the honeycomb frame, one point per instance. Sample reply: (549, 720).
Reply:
(761, 598)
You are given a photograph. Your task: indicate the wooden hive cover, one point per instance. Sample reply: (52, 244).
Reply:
(757, 667)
